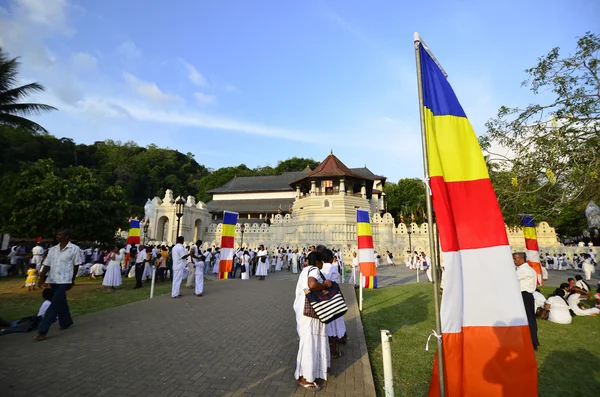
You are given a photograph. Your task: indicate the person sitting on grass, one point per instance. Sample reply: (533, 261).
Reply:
(539, 299)
(32, 277)
(29, 323)
(559, 308)
(581, 284)
(574, 301)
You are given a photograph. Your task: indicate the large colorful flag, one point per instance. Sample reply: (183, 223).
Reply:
(227, 239)
(531, 246)
(487, 347)
(134, 232)
(366, 254)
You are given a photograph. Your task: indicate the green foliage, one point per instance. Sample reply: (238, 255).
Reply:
(548, 155)
(37, 170)
(12, 109)
(406, 197)
(44, 199)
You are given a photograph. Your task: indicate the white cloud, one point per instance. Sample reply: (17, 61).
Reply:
(194, 75)
(84, 62)
(149, 90)
(129, 49)
(48, 13)
(231, 88)
(205, 99)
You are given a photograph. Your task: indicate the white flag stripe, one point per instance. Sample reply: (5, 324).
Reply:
(483, 283)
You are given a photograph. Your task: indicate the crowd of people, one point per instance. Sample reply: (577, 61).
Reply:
(584, 262)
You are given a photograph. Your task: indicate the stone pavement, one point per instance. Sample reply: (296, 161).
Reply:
(238, 339)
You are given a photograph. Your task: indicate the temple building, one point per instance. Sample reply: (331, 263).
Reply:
(299, 209)
(331, 183)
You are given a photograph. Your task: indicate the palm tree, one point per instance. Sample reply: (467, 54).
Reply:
(11, 110)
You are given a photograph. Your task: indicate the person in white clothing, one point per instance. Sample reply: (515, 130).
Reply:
(559, 308)
(426, 265)
(354, 266)
(581, 284)
(112, 277)
(261, 268)
(217, 257)
(540, 300)
(390, 258)
(246, 268)
(180, 255)
(313, 357)
(528, 283)
(38, 254)
(574, 301)
(294, 259)
(199, 274)
(588, 267)
(336, 330)
(191, 266)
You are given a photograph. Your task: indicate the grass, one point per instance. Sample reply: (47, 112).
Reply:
(87, 296)
(568, 359)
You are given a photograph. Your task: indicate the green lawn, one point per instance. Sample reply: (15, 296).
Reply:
(87, 296)
(568, 358)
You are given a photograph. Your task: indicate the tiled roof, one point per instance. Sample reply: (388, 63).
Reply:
(364, 171)
(271, 183)
(332, 166)
(262, 205)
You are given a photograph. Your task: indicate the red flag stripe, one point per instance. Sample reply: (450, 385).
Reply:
(468, 214)
(365, 242)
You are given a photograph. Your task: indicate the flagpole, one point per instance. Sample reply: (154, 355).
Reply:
(434, 271)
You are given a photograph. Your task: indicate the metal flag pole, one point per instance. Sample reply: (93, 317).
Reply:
(436, 297)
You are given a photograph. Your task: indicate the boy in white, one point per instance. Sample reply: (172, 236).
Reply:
(199, 275)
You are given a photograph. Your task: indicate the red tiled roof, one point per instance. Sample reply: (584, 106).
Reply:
(332, 166)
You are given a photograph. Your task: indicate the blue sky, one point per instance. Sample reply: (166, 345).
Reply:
(255, 82)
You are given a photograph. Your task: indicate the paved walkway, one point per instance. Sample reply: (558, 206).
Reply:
(238, 339)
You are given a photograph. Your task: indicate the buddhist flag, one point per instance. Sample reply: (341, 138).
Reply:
(366, 254)
(487, 346)
(531, 245)
(134, 232)
(227, 238)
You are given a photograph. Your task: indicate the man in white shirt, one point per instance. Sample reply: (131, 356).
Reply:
(140, 264)
(60, 266)
(180, 255)
(528, 283)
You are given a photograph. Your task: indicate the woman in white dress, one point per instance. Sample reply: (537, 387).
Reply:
(263, 262)
(217, 262)
(336, 330)
(295, 262)
(246, 263)
(313, 351)
(559, 308)
(112, 277)
(279, 264)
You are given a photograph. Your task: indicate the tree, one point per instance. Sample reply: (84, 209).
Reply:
(43, 199)
(551, 157)
(295, 164)
(406, 197)
(11, 110)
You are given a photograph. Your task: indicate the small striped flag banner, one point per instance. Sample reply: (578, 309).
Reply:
(531, 246)
(486, 343)
(134, 232)
(366, 254)
(227, 239)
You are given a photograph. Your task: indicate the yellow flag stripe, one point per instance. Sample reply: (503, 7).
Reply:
(453, 149)
(529, 232)
(228, 230)
(363, 229)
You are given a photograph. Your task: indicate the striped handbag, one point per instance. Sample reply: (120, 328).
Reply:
(328, 304)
